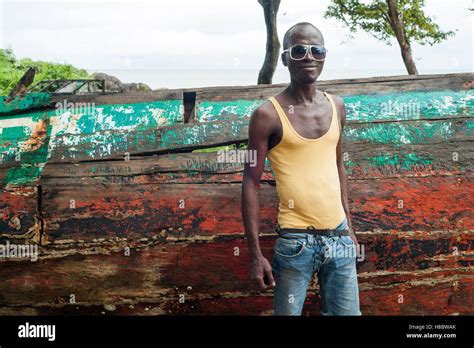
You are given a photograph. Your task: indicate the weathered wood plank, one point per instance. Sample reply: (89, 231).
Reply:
(446, 297)
(362, 161)
(123, 98)
(86, 118)
(109, 210)
(107, 145)
(201, 270)
(386, 84)
(366, 107)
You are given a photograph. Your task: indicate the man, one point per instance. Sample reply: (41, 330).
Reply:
(300, 130)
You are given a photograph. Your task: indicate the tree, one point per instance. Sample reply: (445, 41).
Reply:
(270, 10)
(385, 19)
(12, 70)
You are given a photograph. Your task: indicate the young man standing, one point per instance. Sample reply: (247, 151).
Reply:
(299, 130)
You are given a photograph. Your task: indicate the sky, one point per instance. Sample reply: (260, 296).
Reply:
(185, 43)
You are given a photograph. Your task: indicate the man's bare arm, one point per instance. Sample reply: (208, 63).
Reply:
(260, 130)
(340, 166)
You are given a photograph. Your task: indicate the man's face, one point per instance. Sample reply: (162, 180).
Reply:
(308, 69)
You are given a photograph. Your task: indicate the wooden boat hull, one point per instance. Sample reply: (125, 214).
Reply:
(126, 215)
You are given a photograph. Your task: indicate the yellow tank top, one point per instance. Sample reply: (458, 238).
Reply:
(306, 176)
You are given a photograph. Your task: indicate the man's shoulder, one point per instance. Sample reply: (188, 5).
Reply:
(265, 119)
(265, 111)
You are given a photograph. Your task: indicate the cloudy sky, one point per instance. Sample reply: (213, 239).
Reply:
(142, 40)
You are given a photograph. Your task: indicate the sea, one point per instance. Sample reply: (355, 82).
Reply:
(187, 78)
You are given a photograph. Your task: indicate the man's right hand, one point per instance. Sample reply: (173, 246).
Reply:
(261, 272)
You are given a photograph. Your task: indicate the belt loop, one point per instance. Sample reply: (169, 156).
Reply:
(277, 229)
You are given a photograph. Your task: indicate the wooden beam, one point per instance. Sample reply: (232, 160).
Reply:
(87, 212)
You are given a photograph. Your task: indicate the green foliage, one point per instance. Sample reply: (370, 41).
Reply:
(12, 69)
(372, 17)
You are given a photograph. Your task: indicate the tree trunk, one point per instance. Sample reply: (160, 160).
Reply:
(270, 10)
(396, 22)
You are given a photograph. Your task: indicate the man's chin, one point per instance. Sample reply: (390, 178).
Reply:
(309, 79)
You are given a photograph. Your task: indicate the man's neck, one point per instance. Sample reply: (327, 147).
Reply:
(303, 93)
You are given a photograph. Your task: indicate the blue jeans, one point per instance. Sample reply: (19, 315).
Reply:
(298, 256)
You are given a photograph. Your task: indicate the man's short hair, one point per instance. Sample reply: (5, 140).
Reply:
(289, 33)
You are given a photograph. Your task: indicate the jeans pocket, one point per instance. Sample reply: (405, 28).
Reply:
(289, 247)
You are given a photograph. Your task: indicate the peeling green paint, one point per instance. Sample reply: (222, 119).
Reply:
(409, 105)
(88, 118)
(30, 166)
(405, 133)
(29, 101)
(406, 162)
(367, 107)
(208, 111)
(104, 123)
(106, 130)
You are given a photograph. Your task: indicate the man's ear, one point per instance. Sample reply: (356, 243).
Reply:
(284, 59)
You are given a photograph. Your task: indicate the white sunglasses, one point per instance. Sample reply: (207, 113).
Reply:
(299, 52)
